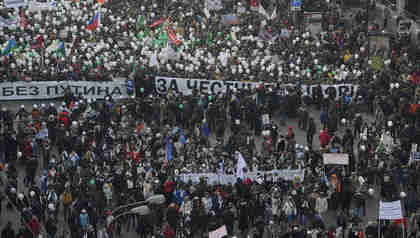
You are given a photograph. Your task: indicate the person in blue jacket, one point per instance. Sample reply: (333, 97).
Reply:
(84, 220)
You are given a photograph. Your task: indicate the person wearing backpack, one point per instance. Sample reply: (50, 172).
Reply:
(67, 201)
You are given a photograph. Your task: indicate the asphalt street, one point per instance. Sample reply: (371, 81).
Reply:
(7, 215)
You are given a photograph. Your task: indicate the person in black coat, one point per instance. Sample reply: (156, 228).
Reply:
(51, 227)
(229, 219)
(8, 231)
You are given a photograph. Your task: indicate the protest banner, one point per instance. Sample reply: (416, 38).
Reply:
(55, 89)
(213, 178)
(219, 233)
(42, 6)
(186, 86)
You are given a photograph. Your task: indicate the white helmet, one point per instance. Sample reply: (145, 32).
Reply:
(403, 194)
(371, 191)
(35, 106)
(43, 105)
(51, 207)
(20, 196)
(32, 193)
(22, 106)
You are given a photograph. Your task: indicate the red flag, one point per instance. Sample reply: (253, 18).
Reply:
(173, 37)
(157, 23)
(40, 41)
(23, 21)
(398, 222)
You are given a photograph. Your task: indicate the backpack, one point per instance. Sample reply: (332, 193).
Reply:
(67, 198)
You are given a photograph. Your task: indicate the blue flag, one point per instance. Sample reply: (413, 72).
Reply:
(168, 149)
(11, 45)
(206, 130)
(182, 138)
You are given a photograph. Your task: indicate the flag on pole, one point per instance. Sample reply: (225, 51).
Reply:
(169, 149)
(240, 165)
(205, 128)
(11, 46)
(140, 22)
(210, 38)
(94, 22)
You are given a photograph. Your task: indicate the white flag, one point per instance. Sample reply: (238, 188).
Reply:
(241, 164)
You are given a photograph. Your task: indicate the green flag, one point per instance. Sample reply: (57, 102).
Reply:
(209, 38)
(140, 23)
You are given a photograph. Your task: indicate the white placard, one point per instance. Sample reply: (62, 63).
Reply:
(390, 210)
(266, 119)
(42, 6)
(55, 89)
(336, 158)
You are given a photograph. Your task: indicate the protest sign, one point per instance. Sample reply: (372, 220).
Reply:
(336, 158)
(390, 210)
(186, 86)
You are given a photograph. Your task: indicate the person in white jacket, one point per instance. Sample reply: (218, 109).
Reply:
(321, 205)
(289, 209)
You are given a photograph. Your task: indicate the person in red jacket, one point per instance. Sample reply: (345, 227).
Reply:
(35, 226)
(324, 137)
(28, 150)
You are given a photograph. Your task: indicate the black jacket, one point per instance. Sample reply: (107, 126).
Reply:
(8, 232)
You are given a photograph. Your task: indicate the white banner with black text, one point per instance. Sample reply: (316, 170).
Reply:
(56, 89)
(186, 86)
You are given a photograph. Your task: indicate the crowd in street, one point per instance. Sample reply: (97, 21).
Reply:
(178, 152)
(97, 156)
(91, 40)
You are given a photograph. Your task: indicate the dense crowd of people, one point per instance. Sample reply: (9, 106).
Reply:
(188, 39)
(97, 156)
(176, 154)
